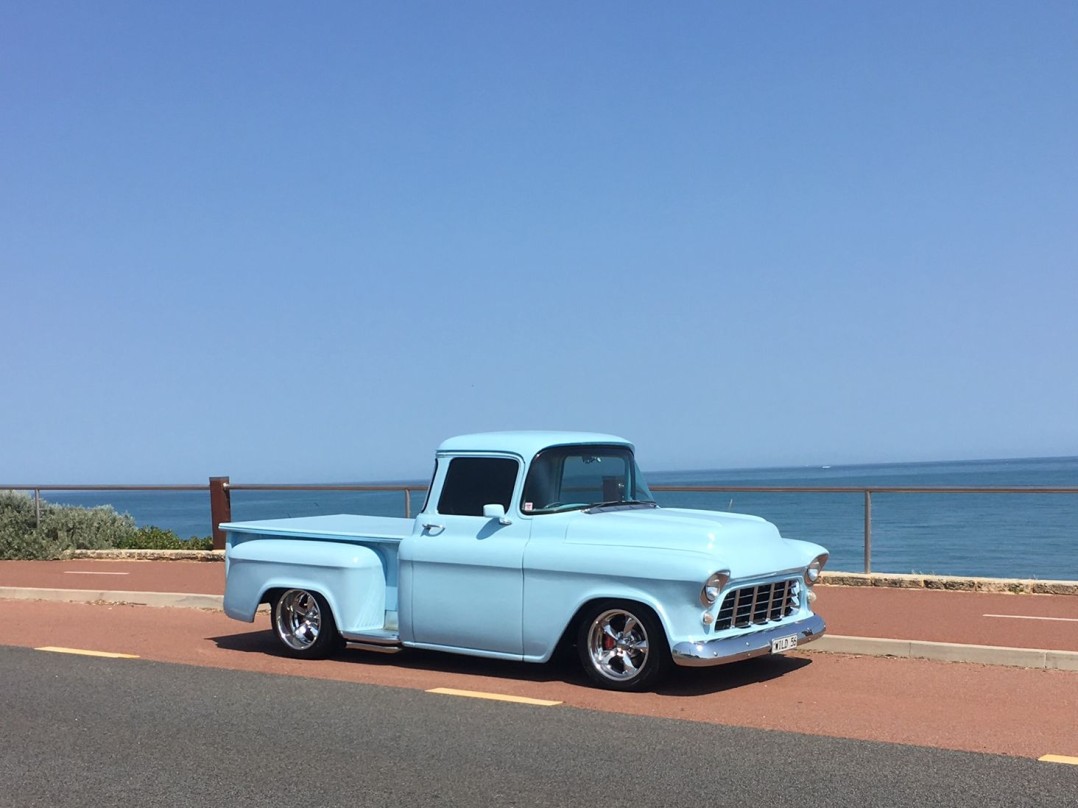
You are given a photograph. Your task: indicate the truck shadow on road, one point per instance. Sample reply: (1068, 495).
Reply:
(735, 675)
(564, 667)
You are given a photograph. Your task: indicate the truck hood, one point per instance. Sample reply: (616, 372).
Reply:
(746, 545)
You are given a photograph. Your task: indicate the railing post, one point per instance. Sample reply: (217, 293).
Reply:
(868, 531)
(37, 506)
(220, 509)
(407, 503)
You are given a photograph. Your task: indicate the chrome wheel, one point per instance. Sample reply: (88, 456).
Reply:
(622, 645)
(297, 617)
(617, 645)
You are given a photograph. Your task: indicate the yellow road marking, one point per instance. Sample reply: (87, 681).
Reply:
(83, 652)
(475, 694)
(1032, 617)
(1073, 761)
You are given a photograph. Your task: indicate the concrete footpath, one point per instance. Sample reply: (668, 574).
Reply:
(982, 621)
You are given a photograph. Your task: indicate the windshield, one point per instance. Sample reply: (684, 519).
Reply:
(567, 478)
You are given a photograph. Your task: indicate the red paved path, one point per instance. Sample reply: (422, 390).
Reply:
(978, 708)
(904, 614)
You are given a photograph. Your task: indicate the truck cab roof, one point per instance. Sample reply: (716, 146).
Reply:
(526, 444)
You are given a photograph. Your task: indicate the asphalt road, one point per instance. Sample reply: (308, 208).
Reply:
(82, 731)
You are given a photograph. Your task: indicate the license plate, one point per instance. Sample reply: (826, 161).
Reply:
(780, 644)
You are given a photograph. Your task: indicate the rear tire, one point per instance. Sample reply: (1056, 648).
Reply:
(622, 646)
(303, 624)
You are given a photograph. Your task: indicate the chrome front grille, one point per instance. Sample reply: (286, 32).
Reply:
(757, 605)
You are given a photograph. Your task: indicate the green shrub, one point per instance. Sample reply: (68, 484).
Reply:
(65, 528)
(155, 538)
(69, 528)
(17, 526)
(17, 506)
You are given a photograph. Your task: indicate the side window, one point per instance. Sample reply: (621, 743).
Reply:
(430, 486)
(472, 482)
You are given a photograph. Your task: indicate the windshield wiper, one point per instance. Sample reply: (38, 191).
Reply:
(618, 502)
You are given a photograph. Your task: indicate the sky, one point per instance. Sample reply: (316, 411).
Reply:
(292, 242)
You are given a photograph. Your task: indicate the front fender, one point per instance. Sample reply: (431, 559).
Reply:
(559, 581)
(552, 601)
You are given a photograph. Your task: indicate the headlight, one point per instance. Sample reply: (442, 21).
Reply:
(713, 587)
(815, 567)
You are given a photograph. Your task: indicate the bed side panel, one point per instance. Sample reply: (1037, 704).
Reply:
(351, 577)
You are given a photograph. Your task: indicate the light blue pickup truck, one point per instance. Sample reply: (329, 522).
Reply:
(531, 541)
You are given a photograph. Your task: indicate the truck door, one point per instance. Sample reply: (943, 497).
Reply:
(462, 572)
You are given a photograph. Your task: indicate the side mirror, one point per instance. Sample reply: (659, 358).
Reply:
(497, 512)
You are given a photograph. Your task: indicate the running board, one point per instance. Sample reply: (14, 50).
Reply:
(377, 649)
(379, 638)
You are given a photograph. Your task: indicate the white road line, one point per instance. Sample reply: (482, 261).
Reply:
(82, 652)
(1073, 761)
(475, 694)
(1031, 617)
(92, 572)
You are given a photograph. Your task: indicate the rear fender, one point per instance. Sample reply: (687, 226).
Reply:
(352, 578)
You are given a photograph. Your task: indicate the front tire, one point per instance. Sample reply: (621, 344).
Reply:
(304, 625)
(622, 646)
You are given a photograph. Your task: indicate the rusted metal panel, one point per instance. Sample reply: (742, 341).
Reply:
(220, 509)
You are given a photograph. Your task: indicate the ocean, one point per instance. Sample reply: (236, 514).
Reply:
(994, 535)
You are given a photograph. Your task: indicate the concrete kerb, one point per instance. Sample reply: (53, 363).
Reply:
(148, 555)
(181, 599)
(947, 652)
(951, 583)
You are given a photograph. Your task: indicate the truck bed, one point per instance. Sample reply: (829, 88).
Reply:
(338, 527)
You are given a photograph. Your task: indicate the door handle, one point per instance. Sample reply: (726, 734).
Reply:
(430, 527)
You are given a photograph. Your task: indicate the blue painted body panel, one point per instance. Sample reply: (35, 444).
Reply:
(339, 526)
(352, 578)
(524, 444)
(352, 560)
(474, 585)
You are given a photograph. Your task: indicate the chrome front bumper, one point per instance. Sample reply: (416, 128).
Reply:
(745, 646)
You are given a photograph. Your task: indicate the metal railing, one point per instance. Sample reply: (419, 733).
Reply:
(37, 489)
(405, 489)
(866, 491)
(220, 489)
